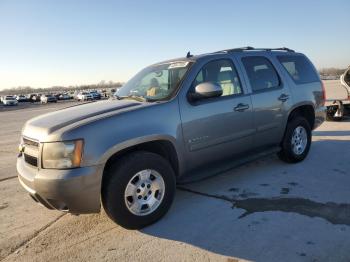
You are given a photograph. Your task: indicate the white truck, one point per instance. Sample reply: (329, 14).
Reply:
(338, 97)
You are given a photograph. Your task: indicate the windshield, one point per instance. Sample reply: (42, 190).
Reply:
(156, 82)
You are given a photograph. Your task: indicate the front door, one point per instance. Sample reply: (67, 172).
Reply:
(220, 127)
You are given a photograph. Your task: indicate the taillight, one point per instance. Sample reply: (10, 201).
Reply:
(323, 93)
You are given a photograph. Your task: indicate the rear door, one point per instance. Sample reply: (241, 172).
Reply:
(271, 99)
(220, 127)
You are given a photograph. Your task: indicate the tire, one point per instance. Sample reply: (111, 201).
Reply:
(120, 174)
(287, 153)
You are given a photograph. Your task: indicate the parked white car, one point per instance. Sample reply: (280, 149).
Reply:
(9, 101)
(44, 99)
(84, 96)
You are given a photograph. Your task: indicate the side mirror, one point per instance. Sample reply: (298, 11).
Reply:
(206, 90)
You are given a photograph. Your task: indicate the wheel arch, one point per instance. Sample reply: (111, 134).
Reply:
(162, 146)
(305, 110)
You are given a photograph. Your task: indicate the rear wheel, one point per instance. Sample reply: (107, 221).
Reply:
(138, 189)
(297, 141)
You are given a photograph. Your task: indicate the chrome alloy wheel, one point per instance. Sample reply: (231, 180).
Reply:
(144, 192)
(299, 140)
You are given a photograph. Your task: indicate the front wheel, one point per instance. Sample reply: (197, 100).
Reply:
(296, 142)
(138, 189)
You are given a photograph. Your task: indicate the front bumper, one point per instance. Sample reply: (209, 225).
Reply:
(73, 190)
(320, 116)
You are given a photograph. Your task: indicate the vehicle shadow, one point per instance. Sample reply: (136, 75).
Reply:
(210, 221)
(331, 133)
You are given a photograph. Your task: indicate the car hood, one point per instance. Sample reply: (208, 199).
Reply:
(39, 127)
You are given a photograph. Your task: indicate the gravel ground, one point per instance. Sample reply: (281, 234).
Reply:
(264, 211)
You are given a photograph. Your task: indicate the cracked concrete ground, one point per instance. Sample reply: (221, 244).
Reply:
(264, 211)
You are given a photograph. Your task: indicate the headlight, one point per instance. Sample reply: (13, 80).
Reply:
(62, 155)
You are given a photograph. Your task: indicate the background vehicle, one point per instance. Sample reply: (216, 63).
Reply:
(9, 101)
(84, 96)
(95, 95)
(339, 104)
(21, 98)
(44, 99)
(57, 95)
(345, 79)
(35, 97)
(173, 122)
(64, 96)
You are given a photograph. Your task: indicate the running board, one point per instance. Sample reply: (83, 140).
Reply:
(216, 169)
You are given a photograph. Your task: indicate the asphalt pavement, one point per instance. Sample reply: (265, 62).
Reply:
(266, 210)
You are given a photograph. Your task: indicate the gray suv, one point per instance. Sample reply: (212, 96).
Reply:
(173, 122)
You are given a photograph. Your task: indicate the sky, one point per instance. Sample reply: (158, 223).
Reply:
(61, 43)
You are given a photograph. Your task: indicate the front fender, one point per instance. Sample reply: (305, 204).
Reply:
(137, 141)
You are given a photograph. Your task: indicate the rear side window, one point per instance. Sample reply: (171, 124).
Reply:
(299, 68)
(261, 73)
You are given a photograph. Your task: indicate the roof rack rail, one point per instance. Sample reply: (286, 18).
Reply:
(276, 49)
(238, 49)
(250, 48)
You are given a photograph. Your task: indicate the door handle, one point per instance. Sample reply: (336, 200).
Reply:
(283, 97)
(241, 107)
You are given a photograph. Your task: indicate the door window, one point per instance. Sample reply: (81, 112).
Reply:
(261, 73)
(223, 73)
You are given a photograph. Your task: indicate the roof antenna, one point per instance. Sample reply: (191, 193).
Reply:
(188, 54)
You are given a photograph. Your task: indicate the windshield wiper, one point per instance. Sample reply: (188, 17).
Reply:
(137, 98)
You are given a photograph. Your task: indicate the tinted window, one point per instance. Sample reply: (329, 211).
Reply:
(223, 73)
(299, 68)
(261, 73)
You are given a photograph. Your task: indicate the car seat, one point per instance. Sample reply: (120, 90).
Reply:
(225, 81)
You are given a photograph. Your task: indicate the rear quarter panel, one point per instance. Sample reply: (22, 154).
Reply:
(303, 94)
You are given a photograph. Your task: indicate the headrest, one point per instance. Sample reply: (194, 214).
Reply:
(225, 76)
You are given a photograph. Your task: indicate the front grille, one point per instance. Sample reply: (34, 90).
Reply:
(31, 160)
(31, 151)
